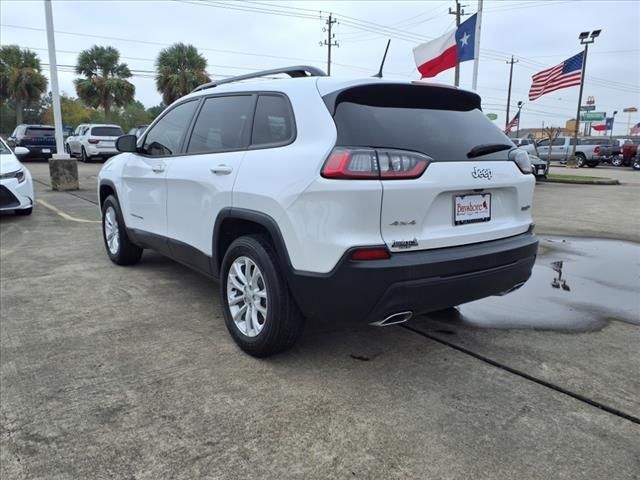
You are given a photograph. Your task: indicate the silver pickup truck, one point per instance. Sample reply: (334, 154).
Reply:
(562, 148)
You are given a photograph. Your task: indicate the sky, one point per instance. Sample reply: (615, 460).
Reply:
(238, 37)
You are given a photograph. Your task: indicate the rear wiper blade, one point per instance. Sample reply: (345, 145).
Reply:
(487, 148)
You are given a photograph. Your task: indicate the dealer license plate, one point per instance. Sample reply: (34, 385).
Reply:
(46, 150)
(471, 208)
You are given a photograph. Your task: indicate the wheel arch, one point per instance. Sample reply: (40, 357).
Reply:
(232, 223)
(107, 187)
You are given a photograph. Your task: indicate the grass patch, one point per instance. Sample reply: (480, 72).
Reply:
(558, 176)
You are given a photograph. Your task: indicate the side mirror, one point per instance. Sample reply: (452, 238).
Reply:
(21, 151)
(127, 143)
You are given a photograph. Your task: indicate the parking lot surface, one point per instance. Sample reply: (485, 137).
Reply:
(112, 372)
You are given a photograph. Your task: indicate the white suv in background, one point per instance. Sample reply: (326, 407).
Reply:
(318, 198)
(93, 141)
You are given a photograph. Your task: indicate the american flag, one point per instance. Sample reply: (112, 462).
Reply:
(635, 129)
(567, 74)
(513, 123)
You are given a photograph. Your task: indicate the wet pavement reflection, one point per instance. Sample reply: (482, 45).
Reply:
(600, 281)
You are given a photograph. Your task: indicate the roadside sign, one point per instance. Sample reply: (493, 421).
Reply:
(630, 110)
(492, 116)
(593, 116)
(587, 108)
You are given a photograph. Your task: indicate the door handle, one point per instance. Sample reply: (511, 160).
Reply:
(158, 168)
(222, 170)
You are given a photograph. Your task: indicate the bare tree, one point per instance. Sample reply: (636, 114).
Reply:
(551, 133)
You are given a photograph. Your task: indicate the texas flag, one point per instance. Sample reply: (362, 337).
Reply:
(603, 127)
(444, 52)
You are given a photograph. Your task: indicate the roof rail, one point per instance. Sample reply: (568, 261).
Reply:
(297, 71)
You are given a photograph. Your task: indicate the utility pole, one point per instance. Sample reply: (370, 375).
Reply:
(330, 41)
(506, 120)
(459, 12)
(584, 40)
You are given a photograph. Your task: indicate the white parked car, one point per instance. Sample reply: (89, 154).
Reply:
(316, 198)
(93, 141)
(16, 186)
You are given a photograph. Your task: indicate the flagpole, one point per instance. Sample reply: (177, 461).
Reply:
(575, 132)
(476, 60)
(584, 40)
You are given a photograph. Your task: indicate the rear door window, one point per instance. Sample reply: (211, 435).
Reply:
(444, 124)
(106, 131)
(223, 124)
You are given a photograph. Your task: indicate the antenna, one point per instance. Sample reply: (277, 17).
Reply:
(384, 57)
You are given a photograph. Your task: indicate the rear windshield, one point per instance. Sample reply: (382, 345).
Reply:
(40, 132)
(446, 132)
(106, 131)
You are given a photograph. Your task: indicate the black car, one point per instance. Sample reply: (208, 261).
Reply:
(40, 140)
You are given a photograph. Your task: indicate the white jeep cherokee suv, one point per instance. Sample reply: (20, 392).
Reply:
(314, 197)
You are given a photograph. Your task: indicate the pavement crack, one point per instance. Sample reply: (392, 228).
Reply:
(526, 376)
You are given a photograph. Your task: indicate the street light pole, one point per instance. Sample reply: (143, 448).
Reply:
(53, 74)
(585, 40)
(63, 169)
(520, 104)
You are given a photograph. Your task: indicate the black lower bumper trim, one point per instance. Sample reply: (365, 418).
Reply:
(7, 199)
(420, 282)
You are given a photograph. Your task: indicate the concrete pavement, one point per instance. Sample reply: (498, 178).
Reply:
(112, 372)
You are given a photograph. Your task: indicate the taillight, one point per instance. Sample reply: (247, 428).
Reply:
(369, 163)
(93, 141)
(370, 253)
(597, 150)
(521, 159)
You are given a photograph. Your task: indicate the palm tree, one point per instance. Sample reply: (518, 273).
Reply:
(105, 83)
(180, 69)
(21, 78)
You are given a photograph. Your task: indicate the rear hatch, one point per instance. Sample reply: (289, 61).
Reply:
(461, 197)
(42, 139)
(104, 138)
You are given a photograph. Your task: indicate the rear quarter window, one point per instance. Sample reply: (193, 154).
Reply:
(273, 121)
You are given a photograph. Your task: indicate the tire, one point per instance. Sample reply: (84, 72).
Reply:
(617, 161)
(283, 322)
(636, 165)
(67, 149)
(83, 155)
(123, 251)
(580, 160)
(592, 164)
(24, 211)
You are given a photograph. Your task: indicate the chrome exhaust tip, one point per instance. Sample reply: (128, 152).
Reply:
(512, 289)
(393, 319)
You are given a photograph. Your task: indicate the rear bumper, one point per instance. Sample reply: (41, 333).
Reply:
(419, 282)
(37, 152)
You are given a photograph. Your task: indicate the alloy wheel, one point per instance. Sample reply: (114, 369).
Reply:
(111, 231)
(247, 296)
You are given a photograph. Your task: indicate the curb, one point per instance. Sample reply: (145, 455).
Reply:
(604, 181)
